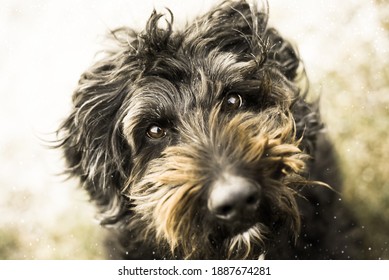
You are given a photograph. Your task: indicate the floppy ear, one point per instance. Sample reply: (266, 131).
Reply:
(91, 137)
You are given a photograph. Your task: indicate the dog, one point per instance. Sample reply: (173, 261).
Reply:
(200, 144)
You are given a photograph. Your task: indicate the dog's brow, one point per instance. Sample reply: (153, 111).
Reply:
(227, 66)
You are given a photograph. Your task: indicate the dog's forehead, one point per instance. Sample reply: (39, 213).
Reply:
(219, 66)
(202, 80)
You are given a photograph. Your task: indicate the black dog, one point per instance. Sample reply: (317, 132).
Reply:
(199, 144)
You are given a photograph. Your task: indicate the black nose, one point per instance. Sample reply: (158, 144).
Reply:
(233, 198)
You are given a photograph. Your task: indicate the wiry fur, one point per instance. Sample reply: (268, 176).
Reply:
(153, 191)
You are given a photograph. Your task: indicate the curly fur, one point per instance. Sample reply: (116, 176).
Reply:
(151, 191)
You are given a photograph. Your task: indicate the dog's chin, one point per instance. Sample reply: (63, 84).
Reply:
(248, 242)
(249, 231)
(245, 240)
(241, 229)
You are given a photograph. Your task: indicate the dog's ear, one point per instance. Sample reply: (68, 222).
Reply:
(91, 137)
(281, 52)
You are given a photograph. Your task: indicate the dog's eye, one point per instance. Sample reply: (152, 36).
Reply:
(156, 132)
(233, 101)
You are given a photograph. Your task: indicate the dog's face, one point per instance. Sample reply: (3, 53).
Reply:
(191, 140)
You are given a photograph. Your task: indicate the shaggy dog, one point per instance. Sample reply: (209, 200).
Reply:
(199, 144)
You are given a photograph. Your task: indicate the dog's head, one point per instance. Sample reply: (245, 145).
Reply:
(195, 139)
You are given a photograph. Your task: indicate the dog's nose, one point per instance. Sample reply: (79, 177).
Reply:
(233, 198)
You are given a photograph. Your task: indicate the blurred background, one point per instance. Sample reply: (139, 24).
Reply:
(46, 45)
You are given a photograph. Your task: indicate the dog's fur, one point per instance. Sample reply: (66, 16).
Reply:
(169, 120)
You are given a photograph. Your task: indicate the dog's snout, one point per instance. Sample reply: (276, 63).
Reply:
(233, 198)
